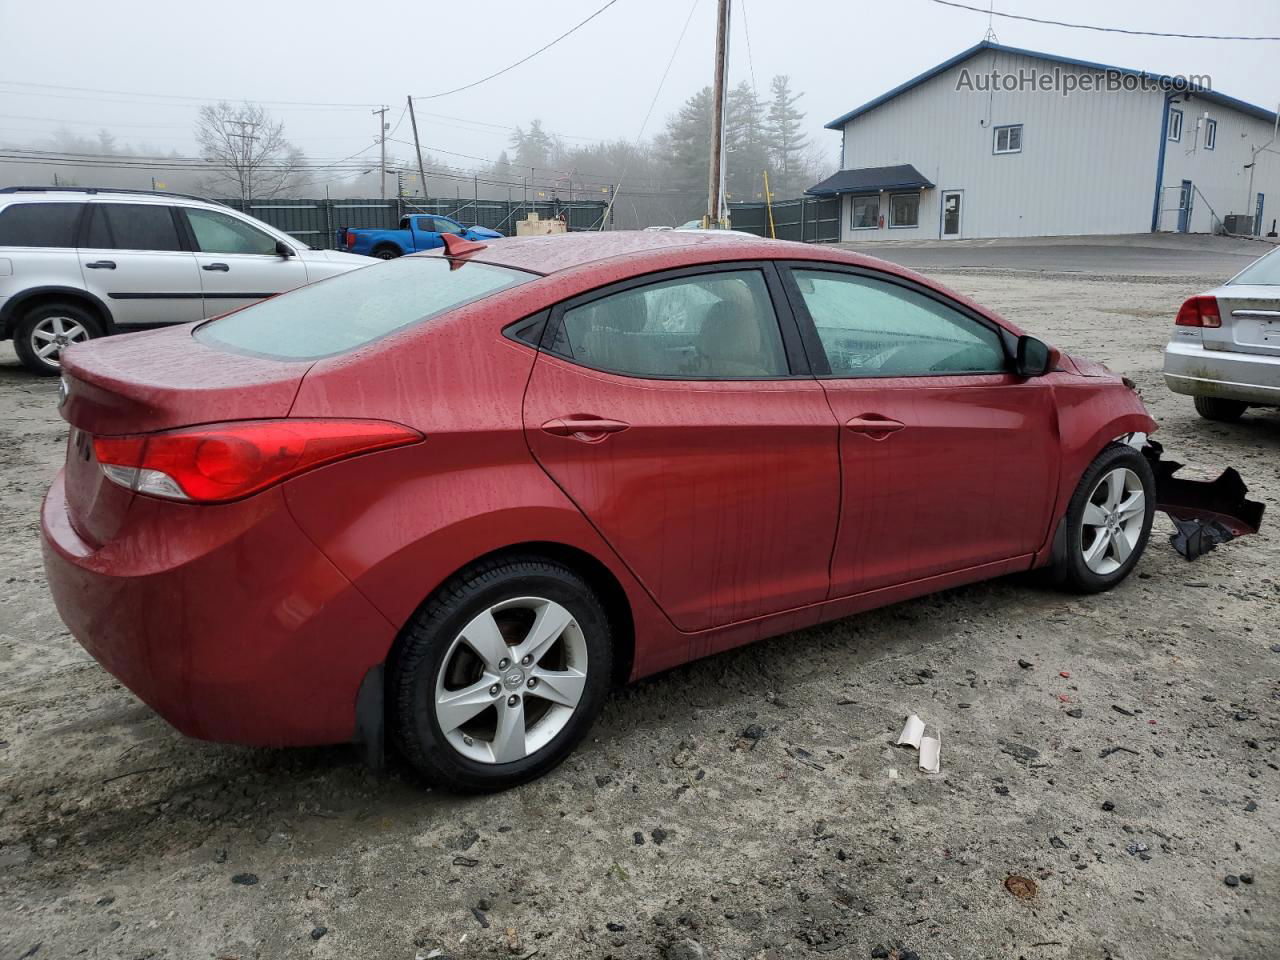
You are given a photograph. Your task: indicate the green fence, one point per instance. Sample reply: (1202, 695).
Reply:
(809, 219)
(316, 222)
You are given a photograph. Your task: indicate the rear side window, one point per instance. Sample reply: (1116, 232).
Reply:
(350, 310)
(220, 233)
(39, 224)
(871, 328)
(695, 328)
(131, 226)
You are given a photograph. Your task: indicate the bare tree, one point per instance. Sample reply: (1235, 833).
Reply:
(247, 150)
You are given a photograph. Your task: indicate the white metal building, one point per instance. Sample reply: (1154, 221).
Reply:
(1065, 147)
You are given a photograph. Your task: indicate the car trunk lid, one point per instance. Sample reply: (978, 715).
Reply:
(152, 381)
(1250, 320)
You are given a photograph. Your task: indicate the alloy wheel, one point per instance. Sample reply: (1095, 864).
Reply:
(54, 334)
(1113, 518)
(511, 680)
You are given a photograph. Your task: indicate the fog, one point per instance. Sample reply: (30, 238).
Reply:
(125, 82)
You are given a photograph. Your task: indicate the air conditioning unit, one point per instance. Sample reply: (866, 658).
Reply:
(1238, 225)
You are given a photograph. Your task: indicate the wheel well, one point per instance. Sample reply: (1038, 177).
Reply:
(597, 575)
(386, 245)
(17, 311)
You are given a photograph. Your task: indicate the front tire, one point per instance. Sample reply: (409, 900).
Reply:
(500, 675)
(1108, 520)
(1223, 411)
(49, 329)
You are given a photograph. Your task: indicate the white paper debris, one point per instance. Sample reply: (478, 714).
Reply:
(930, 754)
(912, 732)
(893, 773)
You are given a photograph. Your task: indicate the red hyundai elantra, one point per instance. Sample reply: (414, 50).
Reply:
(461, 495)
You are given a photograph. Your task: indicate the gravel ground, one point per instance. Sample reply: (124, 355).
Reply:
(750, 805)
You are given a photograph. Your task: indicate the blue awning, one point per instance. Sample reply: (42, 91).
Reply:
(871, 180)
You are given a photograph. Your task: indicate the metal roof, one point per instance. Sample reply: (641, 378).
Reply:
(1204, 93)
(870, 180)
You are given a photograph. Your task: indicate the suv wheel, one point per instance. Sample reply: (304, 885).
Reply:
(1108, 520)
(500, 674)
(1224, 411)
(49, 329)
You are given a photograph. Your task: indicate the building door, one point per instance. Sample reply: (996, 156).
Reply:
(1184, 206)
(951, 200)
(1257, 217)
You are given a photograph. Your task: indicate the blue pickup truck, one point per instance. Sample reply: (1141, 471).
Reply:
(417, 232)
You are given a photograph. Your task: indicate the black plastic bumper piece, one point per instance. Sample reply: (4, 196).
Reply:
(1205, 512)
(371, 718)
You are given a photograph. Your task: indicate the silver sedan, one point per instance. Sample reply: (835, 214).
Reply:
(1225, 350)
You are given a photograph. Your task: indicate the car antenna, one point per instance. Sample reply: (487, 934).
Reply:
(456, 246)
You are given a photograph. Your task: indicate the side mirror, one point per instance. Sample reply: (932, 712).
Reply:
(1034, 358)
(283, 249)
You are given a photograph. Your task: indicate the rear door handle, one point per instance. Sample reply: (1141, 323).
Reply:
(101, 265)
(874, 425)
(216, 266)
(588, 429)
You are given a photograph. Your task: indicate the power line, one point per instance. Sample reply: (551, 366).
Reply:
(648, 113)
(1088, 26)
(181, 96)
(507, 69)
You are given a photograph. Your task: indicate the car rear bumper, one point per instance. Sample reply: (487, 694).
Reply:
(226, 620)
(1191, 369)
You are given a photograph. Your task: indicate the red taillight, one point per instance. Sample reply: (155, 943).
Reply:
(218, 462)
(351, 239)
(1199, 311)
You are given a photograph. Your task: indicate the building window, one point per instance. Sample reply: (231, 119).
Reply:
(1175, 124)
(1210, 134)
(904, 210)
(1008, 139)
(865, 212)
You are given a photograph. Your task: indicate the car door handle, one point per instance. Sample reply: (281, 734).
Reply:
(874, 425)
(101, 265)
(587, 429)
(215, 266)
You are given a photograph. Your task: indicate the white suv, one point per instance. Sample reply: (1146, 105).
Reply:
(78, 263)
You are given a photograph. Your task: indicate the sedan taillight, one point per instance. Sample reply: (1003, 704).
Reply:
(218, 462)
(1199, 311)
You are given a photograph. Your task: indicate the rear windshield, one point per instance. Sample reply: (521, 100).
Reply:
(1266, 271)
(352, 309)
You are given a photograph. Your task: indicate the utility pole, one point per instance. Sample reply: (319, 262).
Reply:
(246, 139)
(715, 179)
(417, 148)
(382, 138)
(1250, 201)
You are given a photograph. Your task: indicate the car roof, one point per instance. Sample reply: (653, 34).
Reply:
(557, 253)
(67, 195)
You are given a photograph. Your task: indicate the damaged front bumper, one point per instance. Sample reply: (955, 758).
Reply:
(1205, 512)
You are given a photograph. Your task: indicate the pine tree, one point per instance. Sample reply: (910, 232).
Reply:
(687, 144)
(533, 149)
(788, 143)
(746, 144)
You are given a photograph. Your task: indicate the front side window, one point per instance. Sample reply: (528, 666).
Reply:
(131, 226)
(904, 210)
(39, 224)
(1210, 134)
(703, 327)
(352, 309)
(865, 212)
(1175, 124)
(444, 225)
(1008, 139)
(873, 328)
(221, 233)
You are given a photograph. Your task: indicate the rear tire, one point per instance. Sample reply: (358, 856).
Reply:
(500, 674)
(386, 253)
(1108, 521)
(45, 331)
(1223, 411)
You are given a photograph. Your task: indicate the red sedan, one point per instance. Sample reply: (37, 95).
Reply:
(461, 495)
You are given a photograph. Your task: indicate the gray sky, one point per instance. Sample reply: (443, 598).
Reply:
(596, 84)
